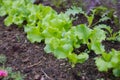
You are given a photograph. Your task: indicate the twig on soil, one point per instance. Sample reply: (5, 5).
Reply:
(46, 75)
(34, 64)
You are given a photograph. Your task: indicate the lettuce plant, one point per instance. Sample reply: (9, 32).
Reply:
(108, 61)
(43, 23)
(16, 11)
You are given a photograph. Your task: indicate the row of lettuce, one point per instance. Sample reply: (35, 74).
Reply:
(42, 23)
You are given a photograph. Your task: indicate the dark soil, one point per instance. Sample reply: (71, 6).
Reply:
(35, 64)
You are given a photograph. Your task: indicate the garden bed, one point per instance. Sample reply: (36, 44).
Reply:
(30, 59)
(33, 62)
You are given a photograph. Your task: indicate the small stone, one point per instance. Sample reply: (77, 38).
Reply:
(36, 77)
(42, 78)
